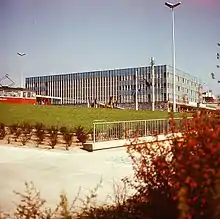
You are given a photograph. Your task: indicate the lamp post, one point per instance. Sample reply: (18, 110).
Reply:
(172, 7)
(136, 90)
(153, 83)
(21, 76)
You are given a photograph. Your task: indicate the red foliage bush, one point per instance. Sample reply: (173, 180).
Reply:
(181, 173)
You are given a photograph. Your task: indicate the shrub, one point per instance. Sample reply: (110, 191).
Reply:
(53, 134)
(26, 130)
(187, 165)
(10, 132)
(2, 131)
(63, 129)
(9, 139)
(15, 130)
(67, 136)
(81, 134)
(31, 205)
(40, 133)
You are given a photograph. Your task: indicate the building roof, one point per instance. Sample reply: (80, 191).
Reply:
(7, 88)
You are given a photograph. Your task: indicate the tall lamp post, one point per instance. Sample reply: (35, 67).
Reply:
(172, 7)
(153, 83)
(21, 76)
(136, 90)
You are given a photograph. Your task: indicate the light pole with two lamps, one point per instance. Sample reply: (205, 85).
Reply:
(172, 7)
(148, 85)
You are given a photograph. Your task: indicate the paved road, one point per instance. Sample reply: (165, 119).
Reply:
(55, 171)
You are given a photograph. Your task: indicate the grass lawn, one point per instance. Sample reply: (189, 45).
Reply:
(70, 116)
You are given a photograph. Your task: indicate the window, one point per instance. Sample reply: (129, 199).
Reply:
(149, 99)
(164, 74)
(164, 96)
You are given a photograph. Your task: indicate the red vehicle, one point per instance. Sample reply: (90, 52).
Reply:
(9, 94)
(25, 96)
(17, 95)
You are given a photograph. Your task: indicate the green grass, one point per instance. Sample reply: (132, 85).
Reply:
(70, 116)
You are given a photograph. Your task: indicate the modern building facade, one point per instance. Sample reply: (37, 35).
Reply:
(81, 88)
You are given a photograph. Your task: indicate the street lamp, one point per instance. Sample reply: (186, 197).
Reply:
(172, 7)
(21, 76)
(136, 90)
(153, 83)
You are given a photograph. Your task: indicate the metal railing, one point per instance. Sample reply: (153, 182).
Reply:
(106, 131)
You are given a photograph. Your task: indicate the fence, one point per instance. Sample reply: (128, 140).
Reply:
(106, 131)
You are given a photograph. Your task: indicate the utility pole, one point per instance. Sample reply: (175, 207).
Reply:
(153, 83)
(136, 90)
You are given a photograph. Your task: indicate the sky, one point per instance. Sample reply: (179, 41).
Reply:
(62, 36)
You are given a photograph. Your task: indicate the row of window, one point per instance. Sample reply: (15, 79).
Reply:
(120, 73)
(24, 94)
(182, 99)
(185, 81)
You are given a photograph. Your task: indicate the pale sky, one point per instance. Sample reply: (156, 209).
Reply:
(63, 36)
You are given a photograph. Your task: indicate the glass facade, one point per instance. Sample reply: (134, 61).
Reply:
(81, 88)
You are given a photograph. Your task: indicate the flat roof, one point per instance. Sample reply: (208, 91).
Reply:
(7, 88)
(178, 72)
(94, 71)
